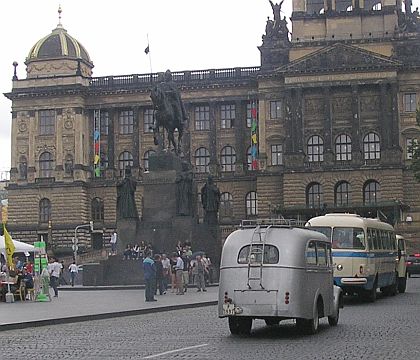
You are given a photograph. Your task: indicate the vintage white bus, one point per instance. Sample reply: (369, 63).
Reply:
(364, 253)
(274, 271)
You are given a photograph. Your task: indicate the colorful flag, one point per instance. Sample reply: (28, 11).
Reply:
(10, 247)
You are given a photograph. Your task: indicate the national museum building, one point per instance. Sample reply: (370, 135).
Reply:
(325, 123)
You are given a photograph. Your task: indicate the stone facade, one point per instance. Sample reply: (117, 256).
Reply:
(336, 108)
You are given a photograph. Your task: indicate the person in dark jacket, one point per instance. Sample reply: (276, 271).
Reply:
(159, 276)
(149, 268)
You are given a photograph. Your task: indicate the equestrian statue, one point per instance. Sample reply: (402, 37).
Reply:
(169, 113)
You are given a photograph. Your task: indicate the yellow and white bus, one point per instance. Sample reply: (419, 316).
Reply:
(364, 253)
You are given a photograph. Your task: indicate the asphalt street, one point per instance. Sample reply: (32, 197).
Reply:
(387, 329)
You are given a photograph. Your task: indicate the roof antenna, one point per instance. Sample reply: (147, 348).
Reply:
(59, 16)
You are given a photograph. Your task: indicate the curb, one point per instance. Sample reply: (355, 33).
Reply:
(117, 287)
(83, 318)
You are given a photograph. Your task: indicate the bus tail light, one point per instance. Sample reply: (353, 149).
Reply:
(227, 299)
(287, 298)
(408, 263)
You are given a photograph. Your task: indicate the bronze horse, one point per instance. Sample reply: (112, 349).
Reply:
(165, 116)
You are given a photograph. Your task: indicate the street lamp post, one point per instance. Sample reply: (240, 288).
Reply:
(75, 241)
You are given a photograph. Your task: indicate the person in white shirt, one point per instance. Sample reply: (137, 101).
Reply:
(54, 268)
(166, 264)
(73, 272)
(113, 243)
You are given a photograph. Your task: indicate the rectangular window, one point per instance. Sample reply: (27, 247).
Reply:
(126, 121)
(148, 121)
(348, 238)
(251, 113)
(410, 102)
(227, 116)
(275, 109)
(104, 123)
(322, 254)
(410, 145)
(277, 154)
(202, 117)
(311, 254)
(46, 122)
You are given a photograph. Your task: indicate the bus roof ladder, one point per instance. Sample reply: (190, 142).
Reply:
(256, 251)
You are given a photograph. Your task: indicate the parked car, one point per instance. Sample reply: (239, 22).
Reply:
(413, 264)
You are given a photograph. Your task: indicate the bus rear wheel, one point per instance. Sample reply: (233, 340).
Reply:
(240, 325)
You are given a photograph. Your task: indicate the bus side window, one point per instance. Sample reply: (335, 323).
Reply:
(376, 245)
(371, 239)
(311, 254)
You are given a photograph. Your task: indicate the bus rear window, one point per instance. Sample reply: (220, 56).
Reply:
(348, 238)
(254, 255)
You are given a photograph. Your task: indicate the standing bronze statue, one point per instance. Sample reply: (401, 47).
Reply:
(184, 190)
(126, 202)
(210, 199)
(276, 11)
(169, 111)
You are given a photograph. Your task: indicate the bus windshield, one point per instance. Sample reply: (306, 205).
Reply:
(348, 238)
(326, 230)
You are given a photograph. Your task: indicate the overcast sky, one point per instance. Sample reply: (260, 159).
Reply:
(183, 34)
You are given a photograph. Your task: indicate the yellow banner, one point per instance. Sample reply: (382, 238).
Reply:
(10, 247)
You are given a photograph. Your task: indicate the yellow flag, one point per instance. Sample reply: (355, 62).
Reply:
(10, 247)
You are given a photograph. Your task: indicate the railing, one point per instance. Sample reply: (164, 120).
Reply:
(146, 80)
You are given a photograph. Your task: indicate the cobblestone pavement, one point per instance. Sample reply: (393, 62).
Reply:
(387, 329)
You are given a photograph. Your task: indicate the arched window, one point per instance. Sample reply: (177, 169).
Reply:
(342, 5)
(371, 147)
(23, 168)
(377, 7)
(371, 192)
(202, 160)
(146, 159)
(314, 6)
(46, 165)
(228, 158)
(251, 204)
(343, 148)
(226, 205)
(97, 209)
(125, 159)
(342, 194)
(44, 210)
(68, 164)
(314, 196)
(249, 159)
(315, 149)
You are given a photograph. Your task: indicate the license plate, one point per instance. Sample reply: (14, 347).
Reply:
(229, 309)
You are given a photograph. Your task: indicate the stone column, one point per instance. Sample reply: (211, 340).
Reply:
(298, 120)
(240, 140)
(262, 142)
(288, 122)
(213, 140)
(395, 129)
(111, 139)
(328, 141)
(136, 138)
(355, 109)
(384, 115)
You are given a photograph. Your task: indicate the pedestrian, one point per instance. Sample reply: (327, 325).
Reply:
(113, 243)
(166, 264)
(54, 268)
(179, 268)
(73, 272)
(185, 270)
(208, 272)
(159, 276)
(149, 277)
(173, 272)
(200, 269)
(127, 252)
(61, 280)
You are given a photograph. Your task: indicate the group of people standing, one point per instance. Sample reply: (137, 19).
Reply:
(178, 270)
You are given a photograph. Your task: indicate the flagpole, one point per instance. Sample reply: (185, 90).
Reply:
(150, 58)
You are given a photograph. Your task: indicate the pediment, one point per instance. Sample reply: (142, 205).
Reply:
(339, 58)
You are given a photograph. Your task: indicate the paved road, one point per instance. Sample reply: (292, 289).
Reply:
(387, 329)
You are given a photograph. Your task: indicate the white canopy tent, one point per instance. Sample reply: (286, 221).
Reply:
(20, 247)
